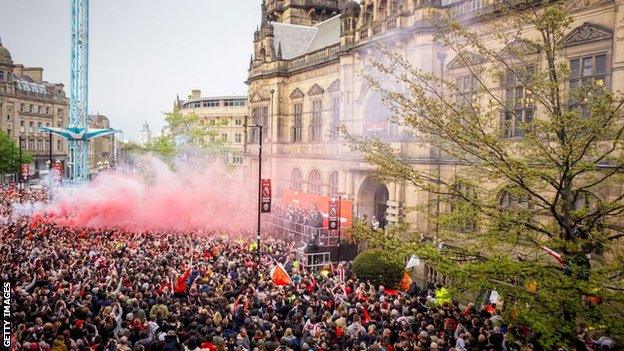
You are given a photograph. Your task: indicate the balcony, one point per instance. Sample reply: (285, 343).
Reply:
(468, 7)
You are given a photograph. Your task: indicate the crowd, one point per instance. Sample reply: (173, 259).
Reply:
(295, 213)
(111, 289)
(11, 195)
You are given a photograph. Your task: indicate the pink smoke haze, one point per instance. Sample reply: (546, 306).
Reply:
(155, 198)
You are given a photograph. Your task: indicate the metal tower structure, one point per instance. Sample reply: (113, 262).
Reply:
(77, 132)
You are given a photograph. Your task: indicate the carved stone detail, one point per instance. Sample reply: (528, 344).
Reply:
(585, 33)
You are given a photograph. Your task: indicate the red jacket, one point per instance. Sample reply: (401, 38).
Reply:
(180, 286)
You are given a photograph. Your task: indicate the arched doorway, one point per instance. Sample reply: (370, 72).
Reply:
(372, 201)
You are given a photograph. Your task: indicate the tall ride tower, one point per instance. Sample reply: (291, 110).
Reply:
(77, 132)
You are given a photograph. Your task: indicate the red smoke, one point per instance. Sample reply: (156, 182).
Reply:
(158, 199)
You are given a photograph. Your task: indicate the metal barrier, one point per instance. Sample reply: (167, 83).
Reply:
(313, 262)
(303, 233)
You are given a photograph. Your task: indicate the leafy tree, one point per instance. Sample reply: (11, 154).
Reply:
(9, 155)
(379, 267)
(521, 184)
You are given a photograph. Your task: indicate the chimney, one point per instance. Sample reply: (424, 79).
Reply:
(35, 73)
(195, 93)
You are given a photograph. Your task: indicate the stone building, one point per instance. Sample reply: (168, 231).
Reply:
(101, 150)
(305, 79)
(227, 113)
(27, 102)
(145, 135)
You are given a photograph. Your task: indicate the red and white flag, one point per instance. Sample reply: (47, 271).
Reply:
(279, 275)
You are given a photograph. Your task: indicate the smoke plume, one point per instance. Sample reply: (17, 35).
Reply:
(198, 195)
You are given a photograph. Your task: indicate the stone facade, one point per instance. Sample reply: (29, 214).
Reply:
(27, 102)
(305, 79)
(228, 113)
(101, 150)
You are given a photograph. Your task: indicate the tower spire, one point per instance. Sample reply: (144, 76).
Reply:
(263, 14)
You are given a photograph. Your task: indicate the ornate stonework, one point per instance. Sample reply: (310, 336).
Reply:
(316, 90)
(297, 94)
(585, 33)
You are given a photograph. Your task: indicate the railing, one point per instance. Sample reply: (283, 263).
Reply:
(313, 262)
(280, 4)
(314, 57)
(465, 7)
(302, 233)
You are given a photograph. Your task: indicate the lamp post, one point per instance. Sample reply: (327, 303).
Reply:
(21, 185)
(50, 154)
(340, 195)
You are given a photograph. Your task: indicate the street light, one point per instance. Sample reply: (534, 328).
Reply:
(259, 126)
(340, 195)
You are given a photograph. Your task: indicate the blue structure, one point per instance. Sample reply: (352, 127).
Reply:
(77, 132)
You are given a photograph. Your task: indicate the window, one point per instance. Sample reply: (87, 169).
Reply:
(333, 184)
(31, 127)
(335, 116)
(460, 205)
(237, 160)
(59, 146)
(31, 108)
(314, 182)
(295, 180)
(59, 112)
(21, 126)
(39, 145)
(31, 145)
(238, 122)
(22, 107)
(317, 122)
(47, 110)
(39, 127)
(233, 103)
(265, 122)
(520, 105)
(1, 76)
(512, 198)
(466, 90)
(224, 137)
(208, 103)
(238, 138)
(297, 123)
(586, 73)
(255, 120)
(39, 109)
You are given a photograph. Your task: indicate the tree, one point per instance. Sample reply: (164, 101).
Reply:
(539, 165)
(10, 155)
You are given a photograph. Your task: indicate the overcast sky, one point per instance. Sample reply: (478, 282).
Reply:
(142, 52)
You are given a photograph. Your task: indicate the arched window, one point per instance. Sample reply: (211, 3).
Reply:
(295, 180)
(315, 182)
(333, 184)
(461, 206)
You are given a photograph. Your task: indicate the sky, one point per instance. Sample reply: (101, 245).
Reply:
(142, 52)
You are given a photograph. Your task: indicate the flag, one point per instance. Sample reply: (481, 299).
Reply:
(413, 262)
(554, 254)
(279, 276)
(405, 282)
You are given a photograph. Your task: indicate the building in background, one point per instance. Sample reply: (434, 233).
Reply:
(227, 113)
(27, 102)
(101, 150)
(145, 135)
(305, 80)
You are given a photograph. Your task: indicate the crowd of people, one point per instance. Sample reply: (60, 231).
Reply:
(10, 195)
(112, 289)
(295, 213)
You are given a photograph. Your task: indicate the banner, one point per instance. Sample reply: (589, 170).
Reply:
(334, 215)
(266, 195)
(25, 171)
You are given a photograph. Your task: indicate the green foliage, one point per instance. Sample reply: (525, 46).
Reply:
(378, 267)
(556, 182)
(9, 155)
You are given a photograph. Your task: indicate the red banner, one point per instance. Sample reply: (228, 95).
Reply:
(266, 195)
(25, 171)
(334, 215)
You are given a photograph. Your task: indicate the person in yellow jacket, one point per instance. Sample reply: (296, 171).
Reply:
(442, 295)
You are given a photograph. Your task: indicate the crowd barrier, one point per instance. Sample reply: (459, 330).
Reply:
(301, 233)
